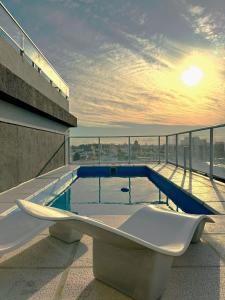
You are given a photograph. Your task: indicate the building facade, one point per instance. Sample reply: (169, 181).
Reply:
(34, 120)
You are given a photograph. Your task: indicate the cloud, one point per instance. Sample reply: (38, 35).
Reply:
(123, 59)
(122, 84)
(196, 10)
(207, 22)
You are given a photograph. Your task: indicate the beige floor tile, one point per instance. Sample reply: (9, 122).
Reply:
(84, 253)
(41, 252)
(23, 284)
(198, 255)
(217, 227)
(217, 242)
(218, 206)
(207, 283)
(5, 206)
(81, 285)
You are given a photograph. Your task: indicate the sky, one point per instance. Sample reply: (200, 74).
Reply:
(124, 60)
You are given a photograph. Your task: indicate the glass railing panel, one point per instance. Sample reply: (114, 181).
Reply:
(183, 149)
(17, 35)
(8, 25)
(84, 150)
(114, 149)
(201, 151)
(41, 62)
(172, 149)
(219, 152)
(162, 149)
(144, 149)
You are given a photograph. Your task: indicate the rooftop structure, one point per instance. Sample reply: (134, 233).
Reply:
(34, 108)
(48, 268)
(40, 162)
(14, 32)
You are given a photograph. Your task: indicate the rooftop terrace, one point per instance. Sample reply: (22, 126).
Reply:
(50, 269)
(194, 161)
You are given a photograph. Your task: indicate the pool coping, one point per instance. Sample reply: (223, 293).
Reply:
(46, 274)
(54, 183)
(187, 193)
(57, 183)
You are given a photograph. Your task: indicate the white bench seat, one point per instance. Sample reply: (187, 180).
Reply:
(17, 228)
(136, 257)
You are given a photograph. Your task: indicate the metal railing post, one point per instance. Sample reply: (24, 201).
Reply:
(129, 180)
(176, 147)
(22, 46)
(129, 149)
(99, 150)
(185, 157)
(211, 155)
(11, 29)
(166, 149)
(69, 151)
(99, 190)
(159, 159)
(167, 200)
(190, 151)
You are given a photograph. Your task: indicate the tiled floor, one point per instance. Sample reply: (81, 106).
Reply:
(46, 268)
(7, 198)
(211, 192)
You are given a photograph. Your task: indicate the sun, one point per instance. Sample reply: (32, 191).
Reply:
(192, 76)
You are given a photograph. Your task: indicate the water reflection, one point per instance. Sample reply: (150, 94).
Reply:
(107, 190)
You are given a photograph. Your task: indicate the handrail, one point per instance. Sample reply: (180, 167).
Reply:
(156, 135)
(28, 47)
(197, 129)
(171, 151)
(112, 136)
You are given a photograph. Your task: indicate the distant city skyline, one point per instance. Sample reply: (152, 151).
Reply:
(148, 149)
(134, 65)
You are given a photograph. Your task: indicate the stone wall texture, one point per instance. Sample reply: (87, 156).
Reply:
(26, 153)
(16, 91)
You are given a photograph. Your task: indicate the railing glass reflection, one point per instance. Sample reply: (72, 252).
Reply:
(11, 29)
(201, 150)
(219, 152)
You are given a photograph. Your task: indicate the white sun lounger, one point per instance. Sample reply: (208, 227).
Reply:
(17, 228)
(135, 258)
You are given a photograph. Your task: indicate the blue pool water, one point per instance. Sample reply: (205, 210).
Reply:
(100, 192)
(101, 187)
(108, 190)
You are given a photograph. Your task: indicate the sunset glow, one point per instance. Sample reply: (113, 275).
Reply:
(123, 62)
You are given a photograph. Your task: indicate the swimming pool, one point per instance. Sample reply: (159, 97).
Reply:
(99, 187)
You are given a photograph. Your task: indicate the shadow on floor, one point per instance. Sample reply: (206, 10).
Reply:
(36, 271)
(196, 275)
(97, 290)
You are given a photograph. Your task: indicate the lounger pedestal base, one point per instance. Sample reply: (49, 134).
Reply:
(139, 273)
(198, 232)
(64, 232)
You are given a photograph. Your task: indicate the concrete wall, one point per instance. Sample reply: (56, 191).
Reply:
(27, 152)
(18, 65)
(18, 92)
(11, 113)
(22, 85)
(34, 120)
